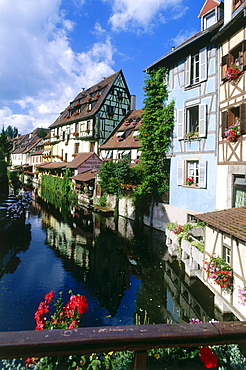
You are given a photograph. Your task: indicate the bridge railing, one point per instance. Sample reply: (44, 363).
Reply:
(138, 338)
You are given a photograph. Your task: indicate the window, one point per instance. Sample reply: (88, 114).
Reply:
(76, 147)
(227, 254)
(191, 122)
(192, 169)
(196, 68)
(236, 56)
(232, 116)
(210, 19)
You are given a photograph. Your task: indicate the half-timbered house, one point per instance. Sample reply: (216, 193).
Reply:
(90, 117)
(231, 185)
(124, 139)
(193, 86)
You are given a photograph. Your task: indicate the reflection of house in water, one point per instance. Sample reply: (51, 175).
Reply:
(71, 243)
(109, 273)
(11, 246)
(191, 297)
(105, 268)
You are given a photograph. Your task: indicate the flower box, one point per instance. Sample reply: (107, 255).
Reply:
(233, 133)
(75, 114)
(233, 72)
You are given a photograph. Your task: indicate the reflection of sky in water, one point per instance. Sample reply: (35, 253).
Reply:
(40, 271)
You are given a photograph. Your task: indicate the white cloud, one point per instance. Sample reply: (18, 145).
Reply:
(182, 36)
(39, 71)
(132, 15)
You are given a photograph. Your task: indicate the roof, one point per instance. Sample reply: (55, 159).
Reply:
(38, 152)
(94, 95)
(207, 6)
(85, 176)
(80, 158)
(231, 221)
(52, 165)
(126, 128)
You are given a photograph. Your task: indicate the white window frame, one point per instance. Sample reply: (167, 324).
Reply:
(182, 172)
(202, 61)
(182, 124)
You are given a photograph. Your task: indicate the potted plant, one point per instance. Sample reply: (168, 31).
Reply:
(233, 71)
(189, 181)
(219, 270)
(75, 133)
(233, 132)
(87, 131)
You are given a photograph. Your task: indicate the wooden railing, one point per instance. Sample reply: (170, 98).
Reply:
(138, 338)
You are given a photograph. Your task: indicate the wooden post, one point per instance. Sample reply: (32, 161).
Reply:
(140, 360)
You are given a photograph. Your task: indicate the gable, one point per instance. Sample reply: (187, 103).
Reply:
(207, 6)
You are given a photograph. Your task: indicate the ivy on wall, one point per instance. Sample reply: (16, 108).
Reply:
(62, 186)
(155, 134)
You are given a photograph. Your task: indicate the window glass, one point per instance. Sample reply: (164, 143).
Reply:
(192, 119)
(193, 170)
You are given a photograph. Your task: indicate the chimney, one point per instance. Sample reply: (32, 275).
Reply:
(228, 7)
(133, 102)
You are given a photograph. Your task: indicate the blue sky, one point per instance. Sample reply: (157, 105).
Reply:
(50, 49)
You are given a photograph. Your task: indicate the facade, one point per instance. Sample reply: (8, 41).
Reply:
(225, 236)
(124, 139)
(231, 186)
(28, 150)
(90, 118)
(193, 86)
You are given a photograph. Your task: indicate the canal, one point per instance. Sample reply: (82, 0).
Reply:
(124, 271)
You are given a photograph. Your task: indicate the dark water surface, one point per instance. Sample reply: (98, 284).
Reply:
(124, 271)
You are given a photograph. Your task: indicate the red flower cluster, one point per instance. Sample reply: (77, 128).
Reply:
(208, 358)
(233, 71)
(67, 316)
(233, 133)
(178, 229)
(128, 186)
(219, 270)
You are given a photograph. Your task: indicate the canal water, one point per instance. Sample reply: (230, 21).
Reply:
(124, 271)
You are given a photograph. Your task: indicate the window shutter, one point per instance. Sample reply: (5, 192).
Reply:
(202, 174)
(203, 65)
(180, 124)
(180, 173)
(187, 70)
(224, 123)
(202, 120)
(225, 62)
(243, 118)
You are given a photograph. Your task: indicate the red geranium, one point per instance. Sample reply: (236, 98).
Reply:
(208, 358)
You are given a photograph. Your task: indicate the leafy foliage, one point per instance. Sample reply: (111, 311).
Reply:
(11, 131)
(5, 146)
(155, 134)
(62, 186)
(112, 174)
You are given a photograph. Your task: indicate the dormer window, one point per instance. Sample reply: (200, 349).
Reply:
(209, 19)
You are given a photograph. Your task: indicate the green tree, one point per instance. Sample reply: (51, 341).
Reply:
(11, 131)
(41, 132)
(112, 174)
(155, 135)
(5, 146)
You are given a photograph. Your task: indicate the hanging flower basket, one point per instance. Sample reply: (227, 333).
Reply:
(67, 117)
(75, 133)
(233, 133)
(75, 114)
(233, 72)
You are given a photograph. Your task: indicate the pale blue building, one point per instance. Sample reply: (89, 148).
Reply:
(193, 85)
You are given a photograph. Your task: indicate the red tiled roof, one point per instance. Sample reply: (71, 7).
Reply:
(52, 165)
(79, 159)
(85, 176)
(231, 221)
(113, 142)
(94, 95)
